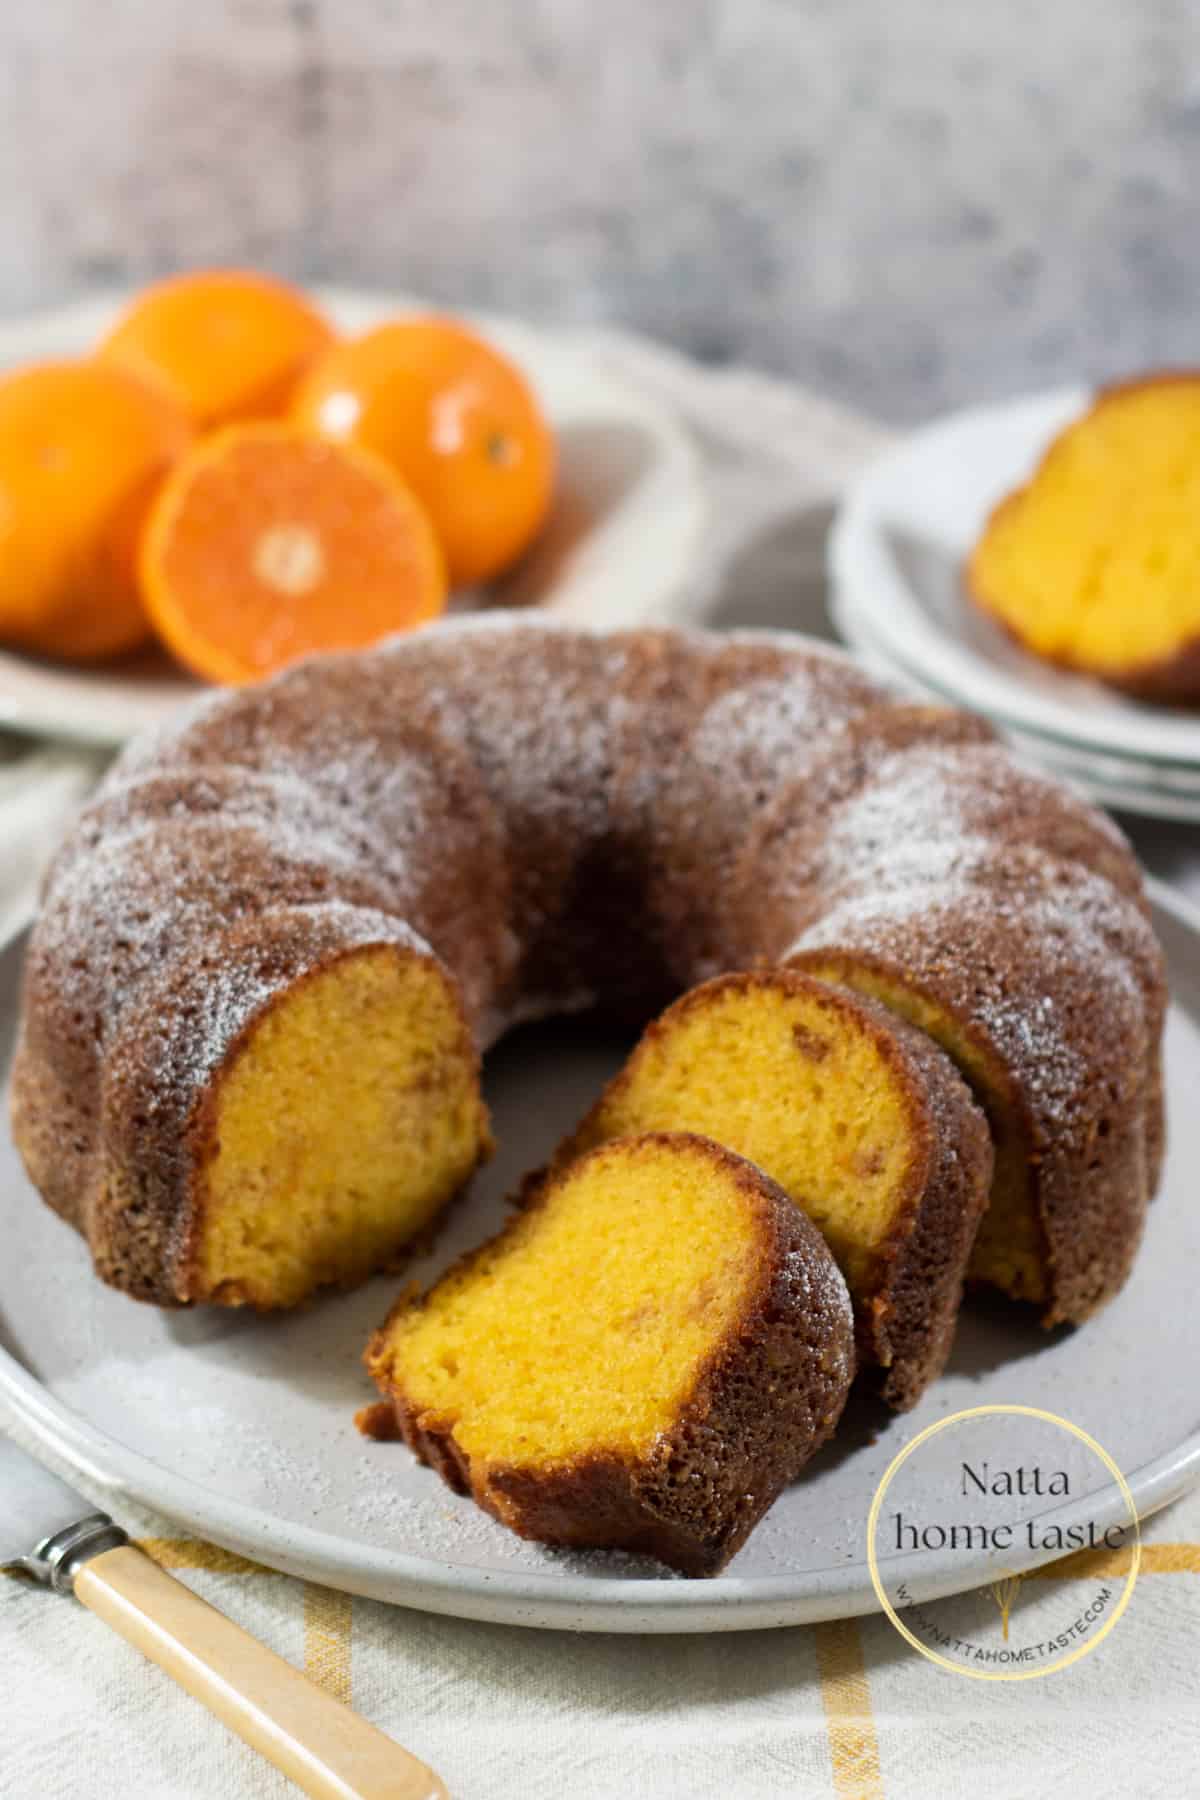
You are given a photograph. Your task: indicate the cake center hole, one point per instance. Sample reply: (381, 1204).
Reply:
(289, 558)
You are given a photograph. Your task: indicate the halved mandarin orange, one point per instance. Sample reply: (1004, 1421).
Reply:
(227, 343)
(456, 419)
(83, 447)
(267, 544)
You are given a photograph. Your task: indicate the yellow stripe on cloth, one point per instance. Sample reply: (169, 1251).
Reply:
(328, 1618)
(194, 1553)
(1157, 1559)
(846, 1697)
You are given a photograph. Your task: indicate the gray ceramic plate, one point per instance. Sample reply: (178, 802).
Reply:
(241, 1428)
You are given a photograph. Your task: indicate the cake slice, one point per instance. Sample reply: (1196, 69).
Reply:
(1095, 562)
(857, 1116)
(645, 1356)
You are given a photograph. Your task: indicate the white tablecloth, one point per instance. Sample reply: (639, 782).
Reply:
(841, 1709)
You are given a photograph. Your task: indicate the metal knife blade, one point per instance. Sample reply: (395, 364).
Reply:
(45, 1526)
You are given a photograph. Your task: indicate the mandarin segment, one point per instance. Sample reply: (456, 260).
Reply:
(227, 344)
(83, 448)
(267, 544)
(456, 419)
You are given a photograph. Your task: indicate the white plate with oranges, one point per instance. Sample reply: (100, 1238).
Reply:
(220, 473)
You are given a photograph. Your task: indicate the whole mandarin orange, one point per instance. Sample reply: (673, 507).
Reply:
(229, 344)
(83, 447)
(457, 420)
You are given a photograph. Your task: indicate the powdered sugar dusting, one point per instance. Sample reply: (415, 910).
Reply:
(818, 1285)
(236, 988)
(151, 748)
(1016, 935)
(537, 719)
(766, 733)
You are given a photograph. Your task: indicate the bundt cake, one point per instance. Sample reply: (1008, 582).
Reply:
(646, 1355)
(274, 945)
(858, 1117)
(1095, 563)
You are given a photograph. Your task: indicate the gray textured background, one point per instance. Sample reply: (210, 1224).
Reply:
(907, 203)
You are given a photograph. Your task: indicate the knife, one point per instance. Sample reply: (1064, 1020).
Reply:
(59, 1538)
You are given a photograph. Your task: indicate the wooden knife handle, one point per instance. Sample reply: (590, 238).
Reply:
(326, 1749)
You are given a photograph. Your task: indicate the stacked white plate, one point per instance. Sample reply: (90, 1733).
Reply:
(896, 560)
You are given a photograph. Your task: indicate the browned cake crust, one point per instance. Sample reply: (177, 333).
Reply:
(931, 771)
(725, 722)
(766, 1399)
(537, 711)
(910, 1332)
